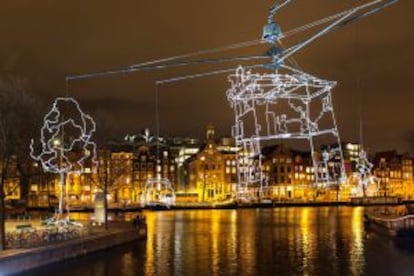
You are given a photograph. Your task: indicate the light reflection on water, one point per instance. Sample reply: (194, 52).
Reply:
(283, 241)
(303, 241)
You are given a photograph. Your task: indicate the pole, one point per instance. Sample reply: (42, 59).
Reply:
(62, 181)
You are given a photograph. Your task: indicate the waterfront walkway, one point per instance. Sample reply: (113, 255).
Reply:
(19, 260)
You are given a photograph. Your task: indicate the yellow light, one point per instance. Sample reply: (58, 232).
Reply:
(56, 142)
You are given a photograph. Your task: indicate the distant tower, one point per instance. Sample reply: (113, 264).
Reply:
(210, 134)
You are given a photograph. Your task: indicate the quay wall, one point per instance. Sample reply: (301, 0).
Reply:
(17, 261)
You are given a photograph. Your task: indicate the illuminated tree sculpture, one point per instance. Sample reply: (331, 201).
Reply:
(66, 144)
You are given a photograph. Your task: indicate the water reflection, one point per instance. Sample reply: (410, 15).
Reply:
(307, 241)
(284, 241)
(356, 253)
(303, 241)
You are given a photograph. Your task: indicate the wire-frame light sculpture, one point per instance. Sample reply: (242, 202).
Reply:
(289, 104)
(277, 106)
(65, 145)
(158, 192)
(366, 183)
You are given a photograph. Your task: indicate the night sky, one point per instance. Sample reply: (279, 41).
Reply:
(45, 40)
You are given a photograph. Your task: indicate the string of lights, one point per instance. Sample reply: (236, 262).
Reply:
(65, 143)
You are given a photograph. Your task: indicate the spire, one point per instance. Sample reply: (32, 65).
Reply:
(210, 133)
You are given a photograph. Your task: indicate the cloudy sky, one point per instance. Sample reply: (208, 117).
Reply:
(46, 40)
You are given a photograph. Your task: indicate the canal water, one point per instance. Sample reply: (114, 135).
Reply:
(282, 241)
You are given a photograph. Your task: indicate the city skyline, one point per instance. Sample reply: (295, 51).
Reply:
(368, 59)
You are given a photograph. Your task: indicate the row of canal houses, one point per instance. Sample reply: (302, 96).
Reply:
(207, 172)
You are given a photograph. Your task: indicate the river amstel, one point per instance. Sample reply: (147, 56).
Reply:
(281, 241)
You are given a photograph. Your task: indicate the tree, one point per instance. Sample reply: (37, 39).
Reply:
(109, 175)
(18, 114)
(110, 171)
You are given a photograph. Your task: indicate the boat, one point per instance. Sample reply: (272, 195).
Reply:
(395, 223)
(375, 200)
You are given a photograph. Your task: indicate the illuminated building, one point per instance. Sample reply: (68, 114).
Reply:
(350, 152)
(181, 149)
(228, 149)
(289, 173)
(395, 173)
(144, 165)
(280, 174)
(11, 185)
(207, 172)
(151, 161)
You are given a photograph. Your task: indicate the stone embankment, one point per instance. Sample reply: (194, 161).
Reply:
(19, 260)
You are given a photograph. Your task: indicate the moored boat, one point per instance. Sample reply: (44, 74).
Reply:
(394, 224)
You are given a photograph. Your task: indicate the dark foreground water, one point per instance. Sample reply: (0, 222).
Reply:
(284, 241)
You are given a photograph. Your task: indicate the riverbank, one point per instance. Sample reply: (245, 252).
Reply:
(20, 260)
(233, 205)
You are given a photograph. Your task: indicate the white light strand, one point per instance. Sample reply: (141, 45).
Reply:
(57, 156)
(158, 192)
(367, 183)
(255, 98)
(52, 148)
